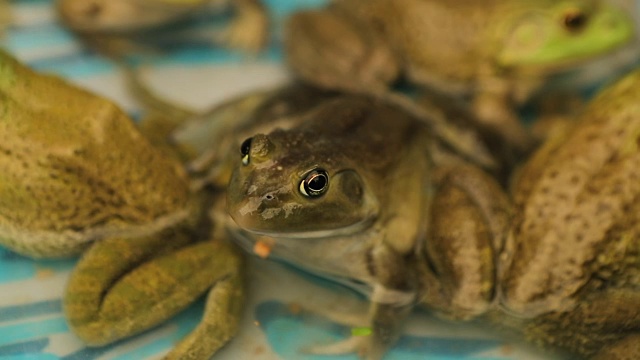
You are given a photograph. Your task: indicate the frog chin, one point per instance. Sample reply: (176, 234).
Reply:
(342, 231)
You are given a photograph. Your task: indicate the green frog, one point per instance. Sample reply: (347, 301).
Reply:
(112, 24)
(77, 177)
(494, 53)
(354, 189)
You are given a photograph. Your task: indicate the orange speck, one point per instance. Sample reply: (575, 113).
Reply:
(262, 249)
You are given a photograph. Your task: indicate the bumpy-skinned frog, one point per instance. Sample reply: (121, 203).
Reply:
(496, 52)
(571, 264)
(113, 25)
(349, 189)
(76, 176)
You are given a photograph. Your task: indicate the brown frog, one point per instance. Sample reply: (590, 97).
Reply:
(495, 53)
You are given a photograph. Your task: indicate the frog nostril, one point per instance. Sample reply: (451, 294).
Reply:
(269, 197)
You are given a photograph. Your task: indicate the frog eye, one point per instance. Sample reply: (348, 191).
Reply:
(315, 183)
(245, 149)
(574, 20)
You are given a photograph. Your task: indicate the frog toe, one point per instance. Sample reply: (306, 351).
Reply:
(122, 287)
(219, 323)
(362, 345)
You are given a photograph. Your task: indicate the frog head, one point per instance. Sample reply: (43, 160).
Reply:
(74, 168)
(287, 184)
(551, 34)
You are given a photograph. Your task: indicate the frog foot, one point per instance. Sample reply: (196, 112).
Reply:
(248, 32)
(122, 287)
(356, 344)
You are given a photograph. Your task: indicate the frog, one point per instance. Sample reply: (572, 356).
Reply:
(355, 190)
(118, 27)
(493, 54)
(347, 189)
(572, 252)
(79, 179)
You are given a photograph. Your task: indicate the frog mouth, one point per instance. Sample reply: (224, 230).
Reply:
(342, 231)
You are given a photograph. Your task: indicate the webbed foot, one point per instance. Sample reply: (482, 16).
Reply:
(122, 287)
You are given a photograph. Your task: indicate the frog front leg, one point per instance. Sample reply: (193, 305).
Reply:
(392, 299)
(333, 50)
(121, 287)
(468, 220)
(494, 105)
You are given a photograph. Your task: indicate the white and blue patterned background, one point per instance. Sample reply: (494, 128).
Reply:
(31, 322)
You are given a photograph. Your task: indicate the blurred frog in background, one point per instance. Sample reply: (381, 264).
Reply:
(78, 177)
(570, 268)
(120, 26)
(494, 53)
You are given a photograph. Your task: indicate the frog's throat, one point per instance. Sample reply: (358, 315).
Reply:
(343, 231)
(69, 242)
(288, 251)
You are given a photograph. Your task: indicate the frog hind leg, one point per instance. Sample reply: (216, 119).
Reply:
(604, 325)
(122, 287)
(331, 50)
(219, 323)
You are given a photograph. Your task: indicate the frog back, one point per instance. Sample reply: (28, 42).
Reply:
(577, 223)
(73, 168)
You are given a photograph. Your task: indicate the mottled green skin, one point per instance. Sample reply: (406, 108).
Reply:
(573, 253)
(76, 174)
(497, 52)
(66, 169)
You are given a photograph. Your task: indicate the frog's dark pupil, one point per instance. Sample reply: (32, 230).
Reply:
(245, 148)
(317, 182)
(575, 20)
